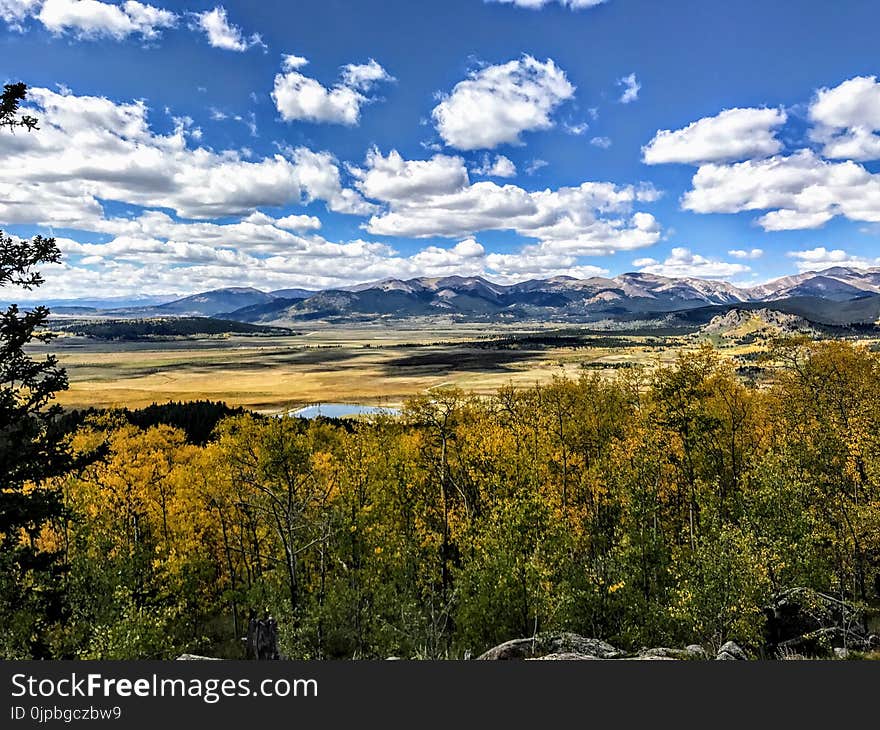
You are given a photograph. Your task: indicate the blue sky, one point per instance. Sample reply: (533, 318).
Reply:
(186, 146)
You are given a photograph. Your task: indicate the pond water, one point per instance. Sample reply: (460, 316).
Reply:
(342, 410)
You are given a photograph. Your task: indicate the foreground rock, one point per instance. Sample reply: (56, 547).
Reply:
(572, 647)
(557, 646)
(731, 651)
(694, 651)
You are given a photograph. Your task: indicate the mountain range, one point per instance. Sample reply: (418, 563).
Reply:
(838, 295)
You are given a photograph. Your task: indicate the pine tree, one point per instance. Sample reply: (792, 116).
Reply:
(30, 445)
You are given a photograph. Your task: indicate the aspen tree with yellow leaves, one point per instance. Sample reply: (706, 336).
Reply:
(661, 507)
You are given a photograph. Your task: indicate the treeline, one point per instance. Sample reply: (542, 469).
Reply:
(197, 419)
(159, 328)
(644, 508)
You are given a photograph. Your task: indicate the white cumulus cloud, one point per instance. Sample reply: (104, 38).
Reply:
(739, 253)
(682, 262)
(223, 34)
(800, 191)
(500, 166)
(741, 166)
(90, 149)
(734, 134)
(299, 97)
(428, 198)
(847, 119)
(391, 177)
(94, 19)
(496, 104)
(820, 258)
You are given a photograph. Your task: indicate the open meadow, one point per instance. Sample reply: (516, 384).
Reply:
(373, 366)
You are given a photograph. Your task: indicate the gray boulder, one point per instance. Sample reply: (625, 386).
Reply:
(543, 645)
(731, 651)
(694, 651)
(663, 652)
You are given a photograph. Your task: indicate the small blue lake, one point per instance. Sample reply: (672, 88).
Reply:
(342, 410)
